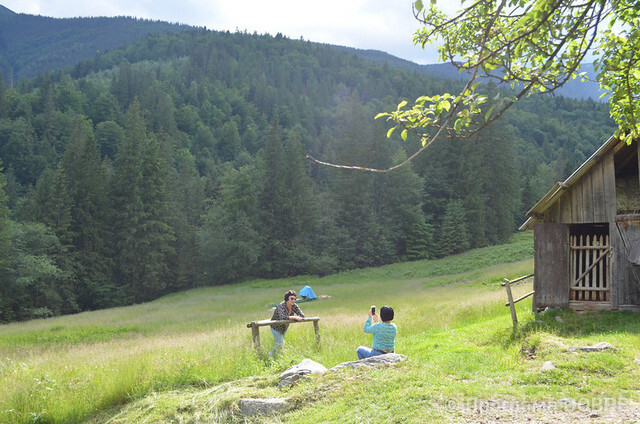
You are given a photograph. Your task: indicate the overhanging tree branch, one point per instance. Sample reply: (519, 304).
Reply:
(539, 44)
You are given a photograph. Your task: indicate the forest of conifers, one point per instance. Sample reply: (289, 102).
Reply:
(179, 161)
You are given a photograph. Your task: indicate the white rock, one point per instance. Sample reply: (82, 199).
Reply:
(300, 370)
(548, 366)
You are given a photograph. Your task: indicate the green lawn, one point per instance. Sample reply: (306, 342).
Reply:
(188, 358)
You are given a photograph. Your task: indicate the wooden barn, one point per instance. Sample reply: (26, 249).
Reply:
(587, 235)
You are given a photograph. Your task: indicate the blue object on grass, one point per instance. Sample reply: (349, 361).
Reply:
(307, 292)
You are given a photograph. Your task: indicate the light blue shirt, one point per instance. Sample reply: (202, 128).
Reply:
(384, 335)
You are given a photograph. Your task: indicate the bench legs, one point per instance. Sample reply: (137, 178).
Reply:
(316, 327)
(255, 332)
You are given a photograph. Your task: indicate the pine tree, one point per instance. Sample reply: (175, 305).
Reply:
(287, 203)
(400, 209)
(362, 239)
(454, 234)
(228, 240)
(229, 142)
(3, 105)
(90, 211)
(188, 189)
(499, 178)
(6, 288)
(419, 242)
(142, 213)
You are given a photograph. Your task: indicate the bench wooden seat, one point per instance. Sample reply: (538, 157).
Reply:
(255, 327)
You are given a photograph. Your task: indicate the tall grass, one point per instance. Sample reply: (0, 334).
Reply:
(163, 355)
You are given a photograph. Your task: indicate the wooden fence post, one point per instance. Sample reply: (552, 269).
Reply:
(512, 303)
(255, 332)
(316, 327)
(512, 306)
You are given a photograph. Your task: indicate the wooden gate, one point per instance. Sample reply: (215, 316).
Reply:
(590, 269)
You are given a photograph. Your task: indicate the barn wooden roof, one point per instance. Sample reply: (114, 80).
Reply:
(560, 188)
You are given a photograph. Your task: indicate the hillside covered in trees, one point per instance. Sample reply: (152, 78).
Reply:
(30, 45)
(179, 161)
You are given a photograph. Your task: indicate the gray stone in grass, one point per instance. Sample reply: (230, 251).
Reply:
(598, 347)
(251, 407)
(298, 371)
(548, 366)
(386, 359)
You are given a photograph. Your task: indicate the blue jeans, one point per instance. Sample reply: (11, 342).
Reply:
(365, 352)
(278, 338)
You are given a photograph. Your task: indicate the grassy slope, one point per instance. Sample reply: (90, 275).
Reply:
(187, 357)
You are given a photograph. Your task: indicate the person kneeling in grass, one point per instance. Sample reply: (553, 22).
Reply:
(384, 334)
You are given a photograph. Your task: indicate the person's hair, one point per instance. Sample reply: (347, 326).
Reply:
(386, 313)
(288, 294)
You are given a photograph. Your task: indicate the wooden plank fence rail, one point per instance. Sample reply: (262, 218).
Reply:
(255, 328)
(511, 303)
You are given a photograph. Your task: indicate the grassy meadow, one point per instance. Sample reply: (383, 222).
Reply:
(187, 357)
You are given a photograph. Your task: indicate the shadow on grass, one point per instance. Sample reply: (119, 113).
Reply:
(569, 323)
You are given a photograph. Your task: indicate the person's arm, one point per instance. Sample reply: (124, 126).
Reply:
(297, 313)
(368, 328)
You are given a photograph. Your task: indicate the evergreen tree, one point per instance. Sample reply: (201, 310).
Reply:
(50, 204)
(229, 242)
(362, 240)
(6, 295)
(454, 233)
(274, 204)
(20, 152)
(300, 208)
(34, 285)
(3, 106)
(288, 205)
(419, 242)
(400, 209)
(90, 211)
(188, 188)
(229, 142)
(109, 136)
(499, 178)
(143, 212)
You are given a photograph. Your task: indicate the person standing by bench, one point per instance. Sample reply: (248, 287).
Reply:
(284, 311)
(384, 334)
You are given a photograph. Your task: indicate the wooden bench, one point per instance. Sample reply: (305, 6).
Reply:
(255, 328)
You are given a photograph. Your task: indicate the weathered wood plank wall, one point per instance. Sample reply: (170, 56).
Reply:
(551, 265)
(589, 199)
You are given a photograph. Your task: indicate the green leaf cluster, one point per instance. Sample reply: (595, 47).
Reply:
(534, 47)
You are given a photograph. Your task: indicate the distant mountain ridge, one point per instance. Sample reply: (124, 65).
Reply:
(32, 45)
(5, 12)
(575, 89)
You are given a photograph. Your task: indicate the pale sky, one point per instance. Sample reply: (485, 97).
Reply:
(386, 25)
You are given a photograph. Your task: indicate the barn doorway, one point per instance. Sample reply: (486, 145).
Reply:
(590, 264)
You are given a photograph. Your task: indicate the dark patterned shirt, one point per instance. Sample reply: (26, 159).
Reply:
(282, 313)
